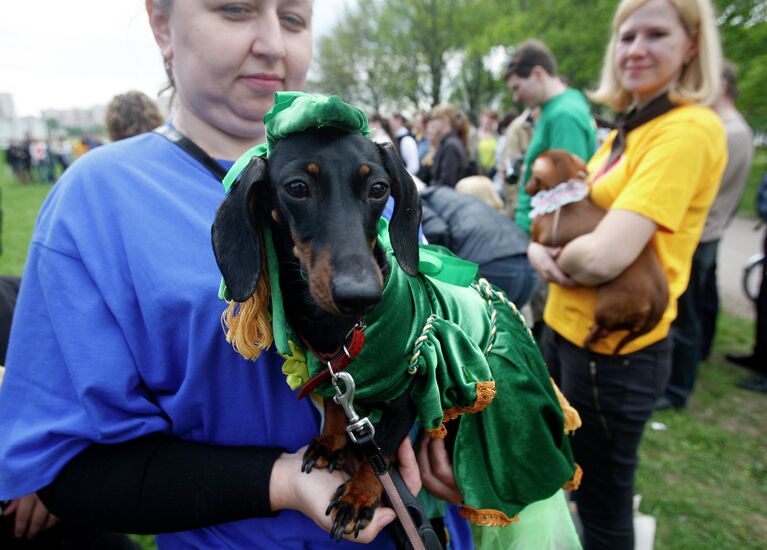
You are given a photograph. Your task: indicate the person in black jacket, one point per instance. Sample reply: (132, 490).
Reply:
(448, 131)
(479, 233)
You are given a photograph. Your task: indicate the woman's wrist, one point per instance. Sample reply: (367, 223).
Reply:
(281, 490)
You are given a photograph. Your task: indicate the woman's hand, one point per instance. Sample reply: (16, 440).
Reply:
(32, 517)
(290, 488)
(437, 470)
(543, 259)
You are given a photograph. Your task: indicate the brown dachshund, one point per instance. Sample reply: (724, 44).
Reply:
(634, 300)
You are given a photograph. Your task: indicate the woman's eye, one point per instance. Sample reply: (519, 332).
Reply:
(378, 190)
(297, 189)
(627, 38)
(235, 10)
(293, 22)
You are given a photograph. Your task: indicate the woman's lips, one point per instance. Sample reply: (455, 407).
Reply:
(264, 82)
(635, 70)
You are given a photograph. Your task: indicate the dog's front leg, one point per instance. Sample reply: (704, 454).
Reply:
(355, 501)
(328, 450)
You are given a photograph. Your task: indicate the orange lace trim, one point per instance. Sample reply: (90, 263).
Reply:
(485, 394)
(487, 517)
(575, 482)
(572, 418)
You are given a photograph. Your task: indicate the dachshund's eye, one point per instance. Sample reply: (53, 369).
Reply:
(378, 190)
(297, 189)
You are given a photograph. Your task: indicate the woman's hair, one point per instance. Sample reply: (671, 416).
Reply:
(699, 79)
(482, 188)
(130, 114)
(459, 123)
(170, 85)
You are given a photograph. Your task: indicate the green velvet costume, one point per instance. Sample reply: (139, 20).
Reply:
(460, 348)
(513, 451)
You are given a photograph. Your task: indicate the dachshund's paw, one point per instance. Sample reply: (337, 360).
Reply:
(354, 510)
(325, 451)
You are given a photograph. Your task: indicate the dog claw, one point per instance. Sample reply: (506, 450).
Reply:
(351, 514)
(336, 498)
(319, 456)
(308, 465)
(338, 530)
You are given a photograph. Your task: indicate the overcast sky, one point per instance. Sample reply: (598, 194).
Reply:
(61, 54)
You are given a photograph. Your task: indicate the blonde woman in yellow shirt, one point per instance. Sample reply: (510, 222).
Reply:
(657, 175)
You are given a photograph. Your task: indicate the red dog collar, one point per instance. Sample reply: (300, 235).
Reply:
(338, 360)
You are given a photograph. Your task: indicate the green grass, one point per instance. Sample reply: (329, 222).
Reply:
(19, 204)
(704, 478)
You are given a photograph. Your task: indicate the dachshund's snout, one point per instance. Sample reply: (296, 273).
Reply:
(354, 295)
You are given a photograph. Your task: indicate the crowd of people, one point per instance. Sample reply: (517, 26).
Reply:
(37, 160)
(116, 367)
(44, 160)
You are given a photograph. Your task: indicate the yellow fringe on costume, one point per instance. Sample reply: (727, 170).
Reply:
(486, 517)
(485, 394)
(575, 482)
(572, 418)
(248, 324)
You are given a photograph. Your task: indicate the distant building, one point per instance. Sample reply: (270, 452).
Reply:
(33, 126)
(61, 120)
(8, 122)
(54, 123)
(14, 127)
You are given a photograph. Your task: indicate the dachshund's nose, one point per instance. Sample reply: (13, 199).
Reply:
(354, 296)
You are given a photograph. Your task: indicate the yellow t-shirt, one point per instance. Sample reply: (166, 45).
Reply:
(486, 152)
(670, 173)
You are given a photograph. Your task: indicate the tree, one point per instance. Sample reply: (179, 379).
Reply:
(409, 54)
(743, 25)
(396, 51)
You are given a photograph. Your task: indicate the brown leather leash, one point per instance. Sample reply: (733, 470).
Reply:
(362, 432)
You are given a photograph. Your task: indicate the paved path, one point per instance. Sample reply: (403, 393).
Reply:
(738, 244)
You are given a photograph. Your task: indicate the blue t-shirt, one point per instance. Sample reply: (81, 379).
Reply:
(117, 334)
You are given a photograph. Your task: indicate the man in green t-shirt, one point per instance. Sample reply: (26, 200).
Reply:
(565, 121)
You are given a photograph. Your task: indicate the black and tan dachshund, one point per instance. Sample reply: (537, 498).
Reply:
(321, 192)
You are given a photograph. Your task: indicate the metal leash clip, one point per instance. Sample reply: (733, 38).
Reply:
(360, 430)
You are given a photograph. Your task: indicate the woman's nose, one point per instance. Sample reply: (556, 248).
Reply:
(637, 46)
(268, 41)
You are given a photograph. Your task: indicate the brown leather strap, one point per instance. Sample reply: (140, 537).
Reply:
(402, 514)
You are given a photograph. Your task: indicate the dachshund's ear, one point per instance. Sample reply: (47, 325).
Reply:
(532, 186)
(579, 167)
(235, 234)
(543, 172)
(403, 229)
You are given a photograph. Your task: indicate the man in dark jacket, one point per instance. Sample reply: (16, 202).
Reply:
(478, 233)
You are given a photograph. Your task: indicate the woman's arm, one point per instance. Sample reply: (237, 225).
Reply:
(603, 254)
(159, 484)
